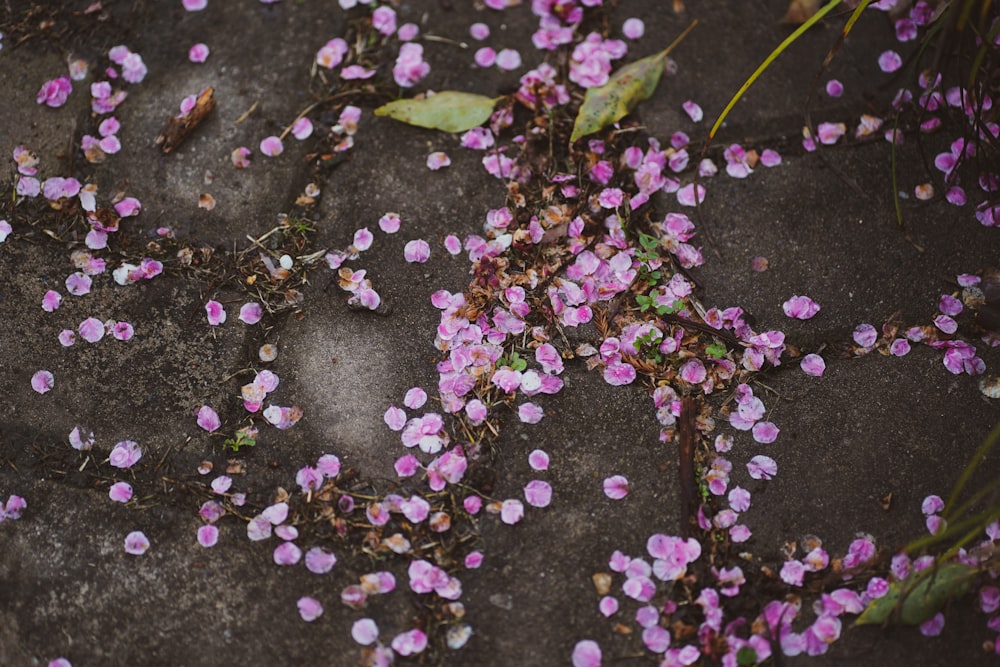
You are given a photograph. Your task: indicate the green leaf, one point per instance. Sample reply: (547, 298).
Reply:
(604, 105)
(716, 350)
(450, 111)
(921, 596)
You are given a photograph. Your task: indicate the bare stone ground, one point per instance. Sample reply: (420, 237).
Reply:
(868, 428)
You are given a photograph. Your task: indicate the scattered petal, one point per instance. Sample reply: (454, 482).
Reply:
(136, 543)
(616, 487)
(43, 381)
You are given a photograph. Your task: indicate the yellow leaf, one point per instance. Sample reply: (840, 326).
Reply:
(450, 111)
(633, 83)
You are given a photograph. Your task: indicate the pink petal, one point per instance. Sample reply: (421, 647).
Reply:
(616, 487)
(42, 381)
(813, 364)
(208, 536)
(309, 608)
(136, 543)
(208, 419)
(538, 460)
(216, 313)
(271, 146)
(586, 653)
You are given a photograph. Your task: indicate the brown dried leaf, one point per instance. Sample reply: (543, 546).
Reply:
(800, 11)
(177, 129)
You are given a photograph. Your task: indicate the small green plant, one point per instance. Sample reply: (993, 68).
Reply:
(716, 350)
(245, 437)
(514, 361)
(648, 345)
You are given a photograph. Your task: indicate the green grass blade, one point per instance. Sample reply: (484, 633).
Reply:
(970, 468)
(826, 9)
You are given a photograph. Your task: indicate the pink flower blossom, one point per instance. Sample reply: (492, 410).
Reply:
(933, 626)
(410, 66)
(271, 146)
(618, 373)
(538, 493)
(356, 72)
(792, 572)
(78, 284)
(437, 160)
(43, 381)
(125, 454)
(415, 398)
(608, 606)
(309, 608)
(136, 543)
(364, 631)
(610, 197)
(511, 511)
(122, 331)
(813, 364)
(195, 5)
(77, 441)
(834, 88)
(120, 492)
(889, 61)
(693, 372)
(865, 335)
(485, 56)
(479, 31)
(616, 487)
(508, 59)
(770, 158)
(91, 330)
(332, 53)
(198, 53)
(53, 93)
(586, 653)
(240, 157)
(216, 313)
(530, 413)
(395, 418)
(384, 20)
(409, 643)
(762, 467)
(417, 251)
(686, 195)
(538, 460)
(634, 28)
(319, 560)
(208, 536)
(302, 129)
(287, 553)
(800, 307)
(208, 419)
(408, 32)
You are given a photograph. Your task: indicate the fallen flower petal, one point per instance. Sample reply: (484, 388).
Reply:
(762, 467)
(216, 313)
(136, 543)
(208, 419)
(120, 492)
(800, 307)
(616, 487)
(586, 653)
(309, 608)
(511, 511)
(125, 454)
(364, 631)
(43, 381)
(813, 364)
(208, 536)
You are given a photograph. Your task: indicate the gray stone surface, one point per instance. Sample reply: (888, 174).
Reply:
(869, 427)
